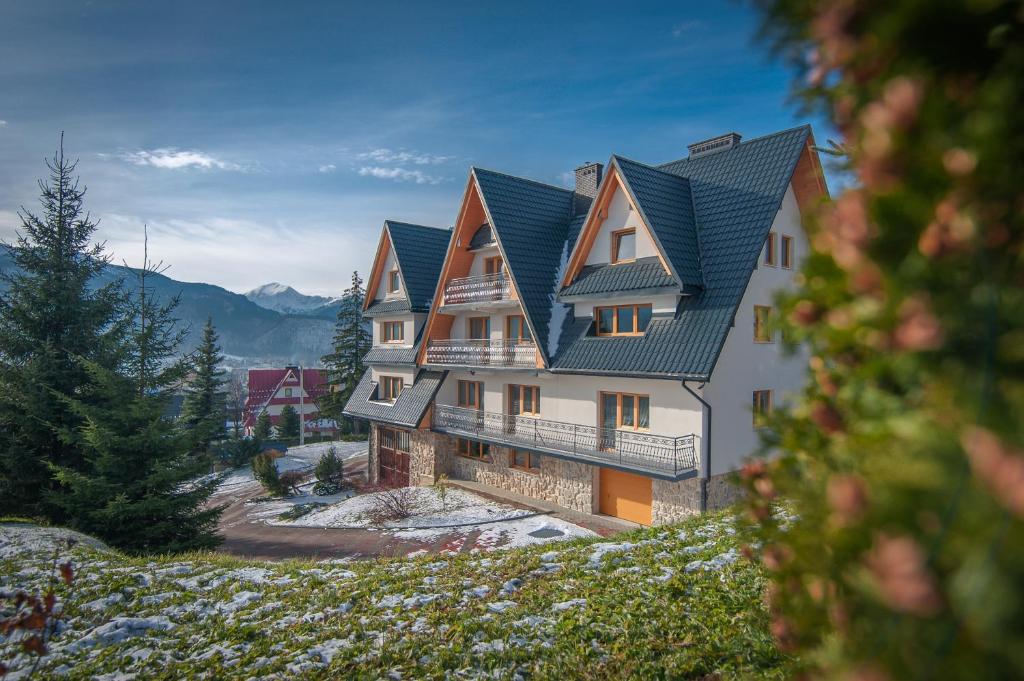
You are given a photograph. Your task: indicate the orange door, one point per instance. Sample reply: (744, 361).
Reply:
(626, 496)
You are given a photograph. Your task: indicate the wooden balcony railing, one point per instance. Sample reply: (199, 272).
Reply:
(482, 353)
(664, 456)
(486, 288)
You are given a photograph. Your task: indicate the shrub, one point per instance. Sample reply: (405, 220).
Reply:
(392, 503)
(264, 469)
(299, 510)
(290, 481)
(323, 489)
(441, 489)
(240, 452)
(330, 468)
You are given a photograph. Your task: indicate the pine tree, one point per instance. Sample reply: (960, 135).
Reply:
(288, 422)
(263, 425)
(204, 407)
(138, 489)
(352, 340)
(53, 322)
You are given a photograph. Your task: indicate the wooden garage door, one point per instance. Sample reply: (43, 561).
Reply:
(626, 496)
(393, 456)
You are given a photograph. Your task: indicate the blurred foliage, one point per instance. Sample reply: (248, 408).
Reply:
(903, 460)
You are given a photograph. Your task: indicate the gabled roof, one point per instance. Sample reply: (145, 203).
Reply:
(407, 410)
(736, 195)
(420, 252)
(530, 222)
(666, 206)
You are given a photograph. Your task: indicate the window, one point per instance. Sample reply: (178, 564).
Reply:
(471, 394)
(523, 400)
(390, 387)
(480, 328)
(622, 320)
(624, 245)
(392, 332)
(762, 406)
(769, 250)
(625, 411)
(493, 265)
(524, 461)
(287, 392)
(394, 281)
(762, 334)
(470, 449)
(516, 329)
(787, 252)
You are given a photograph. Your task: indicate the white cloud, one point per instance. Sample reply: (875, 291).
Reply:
(686, 26)
(328, 168)
(3, 123)
(384, 155)
(175, 159)
(400, 174)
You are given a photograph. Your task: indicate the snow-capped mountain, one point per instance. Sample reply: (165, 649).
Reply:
(282, 298)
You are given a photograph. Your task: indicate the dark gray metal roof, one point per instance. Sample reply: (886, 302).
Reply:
(407, 410)
(666, 205)
(531, 223)
(644, 273)
(482, 237)
(379, 307)
(383, 354)
(736, 194)
(420, 252)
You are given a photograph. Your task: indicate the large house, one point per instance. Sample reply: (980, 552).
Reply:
(576, 343)
(270, 390)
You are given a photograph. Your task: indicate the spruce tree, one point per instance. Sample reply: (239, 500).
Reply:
(288, 422)
(263, 426)
(352, 340)
(138, 489)
(204, 407)
(54, 322)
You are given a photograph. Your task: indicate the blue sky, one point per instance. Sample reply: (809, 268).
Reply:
(268, 141)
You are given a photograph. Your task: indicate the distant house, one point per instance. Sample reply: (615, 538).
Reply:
(271, 389)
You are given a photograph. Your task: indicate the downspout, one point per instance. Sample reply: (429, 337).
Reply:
(705, 449)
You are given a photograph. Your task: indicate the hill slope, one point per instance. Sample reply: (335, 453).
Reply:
(281, 298)
(676, 602)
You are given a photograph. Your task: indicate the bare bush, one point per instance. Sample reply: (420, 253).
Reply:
(392, 503)
(290, 481)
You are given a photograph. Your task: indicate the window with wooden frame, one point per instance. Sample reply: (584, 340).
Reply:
(394, 281)
(762, 406)
(624, 245)
(769, 250)
(479, 328)
(516, 329)
(787, 252)
(390, 388)
(624, 411)
(524, 461)
(523, 400)
(392, 332)
(622, 320)
(762, 331)
(493, 265)
(471, 394)
(481, 451)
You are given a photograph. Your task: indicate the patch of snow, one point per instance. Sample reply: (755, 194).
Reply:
(716, 563)
(599, 551)
(571, 603)
(120, 629)
(501, 606)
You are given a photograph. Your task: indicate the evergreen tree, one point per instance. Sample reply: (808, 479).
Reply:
(137, 489)
(52, 325)
(204, 407)
(352, 340)
(263, 425)
(288, 422)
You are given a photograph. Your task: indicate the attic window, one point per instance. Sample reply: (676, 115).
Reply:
(394, 281)
(624, 245)
(622, 320)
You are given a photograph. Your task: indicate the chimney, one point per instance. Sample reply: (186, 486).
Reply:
(588, 178)
(715, 144)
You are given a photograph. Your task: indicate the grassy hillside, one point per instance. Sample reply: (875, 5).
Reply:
(675, 602)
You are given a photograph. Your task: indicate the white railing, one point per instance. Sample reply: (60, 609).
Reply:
(482, 353)
(486, 288)
(629, 449)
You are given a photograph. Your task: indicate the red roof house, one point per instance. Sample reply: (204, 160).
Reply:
(271, 389)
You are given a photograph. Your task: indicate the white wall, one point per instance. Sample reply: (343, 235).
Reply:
(407, 373)
(620, 216)
(663, 304)
(410, 326)
(476, 268)
(390, 263)
(745, 366)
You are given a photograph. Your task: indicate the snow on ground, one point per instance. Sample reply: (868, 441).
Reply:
(499, 525)
(295, 459)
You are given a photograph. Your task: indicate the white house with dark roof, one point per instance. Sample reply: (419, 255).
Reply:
(603, 348)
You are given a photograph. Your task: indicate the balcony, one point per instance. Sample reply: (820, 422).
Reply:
(487, 288)
(483, 353)
(668, 458)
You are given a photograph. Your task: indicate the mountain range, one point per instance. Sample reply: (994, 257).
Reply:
(282, 298)
(250, 334)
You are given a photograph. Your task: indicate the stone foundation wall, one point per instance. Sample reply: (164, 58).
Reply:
(427, 457)
(721, 492)
(565, 483)
(372, 465)
(674, 501)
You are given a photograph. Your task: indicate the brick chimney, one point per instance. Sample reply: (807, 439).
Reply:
(588, 178)
(713, 145)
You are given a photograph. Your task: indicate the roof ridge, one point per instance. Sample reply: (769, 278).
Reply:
(390, 222)
(474, 169)
(741, 144)
(657, 169)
